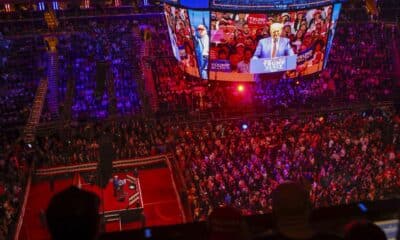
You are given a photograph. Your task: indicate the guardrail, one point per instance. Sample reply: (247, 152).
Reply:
(49, 171)
(23, 207)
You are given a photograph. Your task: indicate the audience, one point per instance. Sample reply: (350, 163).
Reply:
(340, 157)
(358, 71)
(336, 153)
(14, 165)
(91, 42)
(16, 98)
(220, 160)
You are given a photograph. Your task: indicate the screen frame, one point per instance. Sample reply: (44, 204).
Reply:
(247, 11)
(243, 75)
(330, 38)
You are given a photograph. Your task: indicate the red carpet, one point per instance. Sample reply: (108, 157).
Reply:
(161, 204)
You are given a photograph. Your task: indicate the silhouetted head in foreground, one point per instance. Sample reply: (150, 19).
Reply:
(363, 230)
(227, 223)
(291, 207)
(73, 214)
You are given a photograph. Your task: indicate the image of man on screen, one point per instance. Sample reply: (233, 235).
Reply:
(203, 41)
(244, 65)
(274, 46)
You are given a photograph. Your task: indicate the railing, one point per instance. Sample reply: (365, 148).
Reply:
(233, 114)
(122, 164)
(23, 207)
(180, 180)
(34, 118)
(93, 166)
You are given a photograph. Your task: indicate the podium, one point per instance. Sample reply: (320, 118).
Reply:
(272, 65)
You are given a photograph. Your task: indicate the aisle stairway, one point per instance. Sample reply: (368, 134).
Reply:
(53, 84)
(147, 77)
(138, 74)
(36, 112)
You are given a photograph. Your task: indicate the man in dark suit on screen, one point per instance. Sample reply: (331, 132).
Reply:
(274, 46)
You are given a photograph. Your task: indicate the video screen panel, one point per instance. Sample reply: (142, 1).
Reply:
(239, 38)
(200, 24)
(181, 36)
(332, 28)
(195, 4)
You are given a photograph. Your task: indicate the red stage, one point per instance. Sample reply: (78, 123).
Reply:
(157, 195)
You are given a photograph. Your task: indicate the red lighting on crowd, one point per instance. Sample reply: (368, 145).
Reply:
(240, 88)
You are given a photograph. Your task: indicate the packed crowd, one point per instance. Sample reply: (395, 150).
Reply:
(177, 92)
(16, 95)
(359, 70)
(342, 157)
(17, 92)
(95, 41)
(223, 161)
(14, 162)
(18, 87)
(131, 138)
(335, 153)
(365, 77)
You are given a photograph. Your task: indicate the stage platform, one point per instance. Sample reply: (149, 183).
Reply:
(157, 205)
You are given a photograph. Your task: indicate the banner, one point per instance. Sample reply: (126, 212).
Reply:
(270, 65)
(221, 66)
(305, 56)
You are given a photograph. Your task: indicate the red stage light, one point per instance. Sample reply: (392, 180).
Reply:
(240, 88)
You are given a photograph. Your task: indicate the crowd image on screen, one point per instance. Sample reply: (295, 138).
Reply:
(181, 36)
(233, 33)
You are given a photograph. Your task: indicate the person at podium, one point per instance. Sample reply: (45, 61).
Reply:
(274, 46)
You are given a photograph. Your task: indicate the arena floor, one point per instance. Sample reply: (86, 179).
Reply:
(160, 202)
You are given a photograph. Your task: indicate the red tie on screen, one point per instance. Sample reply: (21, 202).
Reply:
(274, 49)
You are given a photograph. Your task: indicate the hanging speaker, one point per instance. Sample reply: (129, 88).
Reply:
(102, 73)
(106, 156)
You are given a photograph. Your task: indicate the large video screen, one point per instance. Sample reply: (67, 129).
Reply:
(242, 47)
(181, 36)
